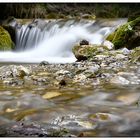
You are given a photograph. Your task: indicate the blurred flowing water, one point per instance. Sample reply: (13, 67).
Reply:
(53, 41)
(105, 110)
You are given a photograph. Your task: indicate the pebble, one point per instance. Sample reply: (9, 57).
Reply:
(119, 80)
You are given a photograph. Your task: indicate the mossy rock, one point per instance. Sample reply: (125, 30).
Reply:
(135, 55)
(5, 40)
(126, 35)
(84, 52)
(11, 30)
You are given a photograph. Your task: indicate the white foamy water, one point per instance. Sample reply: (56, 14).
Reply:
(53, 41)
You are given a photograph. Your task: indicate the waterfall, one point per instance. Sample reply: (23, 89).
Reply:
(52, 41)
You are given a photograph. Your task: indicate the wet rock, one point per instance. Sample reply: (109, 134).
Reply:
(84, 42)
(23, 71)
(74, 123)
(81, 57)
(62, 82)
(101, 57)
(119, 80)
(13, 82)
(85, 52)
(91, 71)
(39, 80)
(125, 51)
(108, 45)
(50, 95)
(62, 72)
(43, 63)
(79, 78)
(26, 129)
(96, 82)
(120, 56)
(20, 71)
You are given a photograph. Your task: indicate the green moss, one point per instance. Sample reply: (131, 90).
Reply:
(121, 37)
(11, 31)
(89, 51)
(5, 40)
(135, 55)
(110, 37)
(86, 50)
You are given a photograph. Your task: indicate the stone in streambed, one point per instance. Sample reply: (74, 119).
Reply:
(135, 55)
(125, 51)
(109, 45)
(85, 52)
(62, 72)
(50, 95)
(119, 80)
(20, 71)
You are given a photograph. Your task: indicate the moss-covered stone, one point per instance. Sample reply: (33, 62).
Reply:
(126, 35)
(135, 55)
(5, 40)
(11, 30)
(85, 52)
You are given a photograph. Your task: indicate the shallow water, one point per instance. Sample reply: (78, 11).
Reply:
(103, 111)
(85, 109)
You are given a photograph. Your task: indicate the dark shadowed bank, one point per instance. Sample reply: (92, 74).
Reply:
(64, 10)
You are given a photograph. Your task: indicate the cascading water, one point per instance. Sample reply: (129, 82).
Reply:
(52, 41)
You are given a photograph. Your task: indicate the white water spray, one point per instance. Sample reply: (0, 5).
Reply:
(52, 43)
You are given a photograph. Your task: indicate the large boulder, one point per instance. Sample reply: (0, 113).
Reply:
(127, 35)
(5, 40)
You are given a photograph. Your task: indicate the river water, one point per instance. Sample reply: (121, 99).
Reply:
(84, 110)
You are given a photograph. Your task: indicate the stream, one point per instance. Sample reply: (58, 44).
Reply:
(53, 96)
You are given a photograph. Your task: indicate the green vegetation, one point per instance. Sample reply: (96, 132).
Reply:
(123, 36)
(62, 10)
(5, 40)
(135, 55)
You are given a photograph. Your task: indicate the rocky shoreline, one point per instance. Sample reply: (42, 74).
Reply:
(104, 67)
(106, 70)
